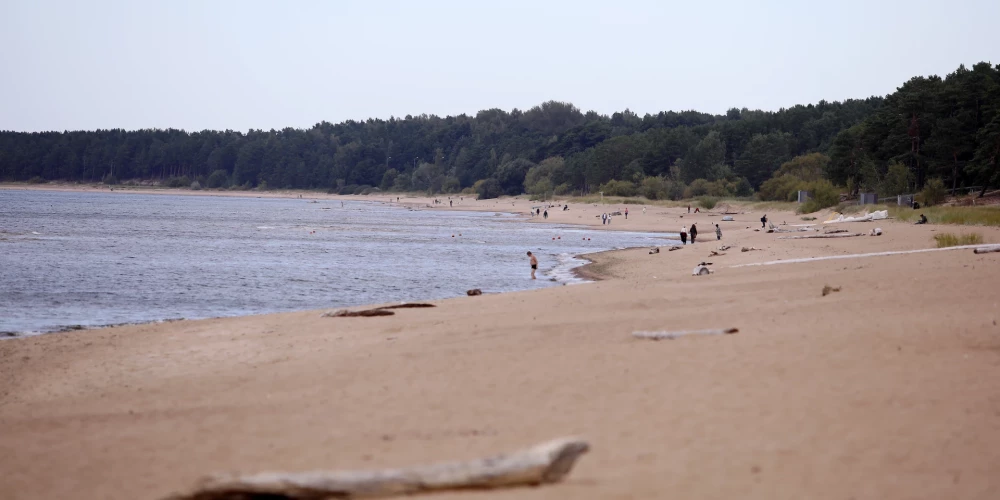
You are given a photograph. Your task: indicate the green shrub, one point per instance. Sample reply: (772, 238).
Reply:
(488, 188)
(934, 192)
(196, 185)
(262, 186)
(178, 182)
(822, 194)
(217, 179)
(109, 179)
(37, 180)
(950, 240)
(707, 202)
(618, 188)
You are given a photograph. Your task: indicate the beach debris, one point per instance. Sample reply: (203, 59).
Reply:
(987, 249)
(728, 218)
(810, 236)
(876, 232)
(663, 334)
(474, 292)
(702, 269)
(750, 249)
(408, 305)
(654, 250)
(545, 463)
(671, 249)
(807, 218)
(723, 248)
(344, 313)
(835, 231)
(827, 290)
(715, 253)
(378, 311)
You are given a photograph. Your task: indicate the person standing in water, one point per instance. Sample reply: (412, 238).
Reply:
(534, 265)
(684, 236)
(718, 232)
(694, 233)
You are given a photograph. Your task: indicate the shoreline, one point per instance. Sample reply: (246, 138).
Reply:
(582, 273)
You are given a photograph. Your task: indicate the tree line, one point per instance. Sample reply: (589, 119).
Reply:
(931, 127)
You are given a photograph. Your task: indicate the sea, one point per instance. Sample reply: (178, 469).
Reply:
(71, 260)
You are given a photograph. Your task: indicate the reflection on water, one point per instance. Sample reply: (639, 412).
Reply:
(107, 258)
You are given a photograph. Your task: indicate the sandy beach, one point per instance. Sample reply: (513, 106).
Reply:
(885, 389)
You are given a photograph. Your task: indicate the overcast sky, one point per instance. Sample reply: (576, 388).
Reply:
(71, 65)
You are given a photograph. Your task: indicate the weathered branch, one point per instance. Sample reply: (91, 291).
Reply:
(810, 236)
(546, 463)
(660, 335)
(989, 249)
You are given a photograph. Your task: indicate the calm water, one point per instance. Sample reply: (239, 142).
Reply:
(107, 258)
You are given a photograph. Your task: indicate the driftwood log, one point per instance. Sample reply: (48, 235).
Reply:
(660, 335)
(378, 311)
(546, 463)
(809, 236)
(835, 231)
(990, 249)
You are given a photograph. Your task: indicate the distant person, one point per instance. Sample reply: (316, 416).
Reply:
(534, 265)
(643, 209)
(546, 214)
(915, 205)
(689, 208)
(565, 208)
(694, 233)
(626, 213)
(604, 219)
(451, 203)
(684, 236)
(697, 210)
(763, 221)
(538, 211)
(718, 232)
(922, 220)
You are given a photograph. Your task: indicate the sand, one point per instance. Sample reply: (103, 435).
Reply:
(886, 389)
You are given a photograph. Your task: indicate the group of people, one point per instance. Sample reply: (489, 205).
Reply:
(693, 233)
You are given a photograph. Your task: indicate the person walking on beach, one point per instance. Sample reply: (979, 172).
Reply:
(718, 232)
(626, 213)
(689, 208)
(763, 221)
(684, 236)
(545, 214)
(534, 265)
(604, 219)
(694, 233)
(451, 203)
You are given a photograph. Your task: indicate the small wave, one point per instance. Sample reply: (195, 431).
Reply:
(563, 270)
(265, 227)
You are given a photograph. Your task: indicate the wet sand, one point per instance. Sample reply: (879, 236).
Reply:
(886, 389)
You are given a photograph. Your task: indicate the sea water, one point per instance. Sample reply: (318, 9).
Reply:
(104, 258)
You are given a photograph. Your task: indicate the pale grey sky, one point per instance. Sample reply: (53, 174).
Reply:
(71, 65)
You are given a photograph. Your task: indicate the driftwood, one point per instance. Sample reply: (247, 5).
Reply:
(809, 236)
(723, 248)
(671, 249)
(378, 311)
(827, 290)
(750, 249)
(835, 231)
(660, 335)
(473, 292)
(546, 463)
(654, 250)
(716, 254)
(990, 249)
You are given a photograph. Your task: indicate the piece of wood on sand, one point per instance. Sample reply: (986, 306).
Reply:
(810, 236)
(987, 249)
(660, 335)
(545, 463)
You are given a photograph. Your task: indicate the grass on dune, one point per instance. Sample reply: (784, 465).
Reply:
(965, 216)
(950, 240)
